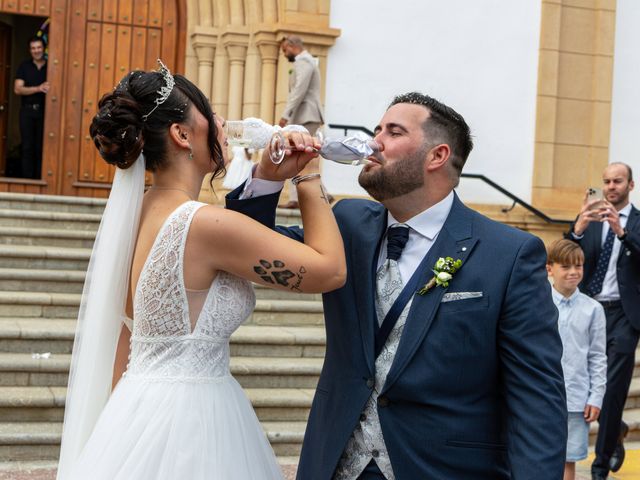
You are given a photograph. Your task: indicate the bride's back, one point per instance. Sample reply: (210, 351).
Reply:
(156, 209)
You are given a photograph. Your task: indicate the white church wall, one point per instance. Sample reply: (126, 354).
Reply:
(480, 58)
(625, 109)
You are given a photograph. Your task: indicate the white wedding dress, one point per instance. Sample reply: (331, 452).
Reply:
(178, 413)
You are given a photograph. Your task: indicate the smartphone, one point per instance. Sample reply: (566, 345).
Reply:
(595, 193)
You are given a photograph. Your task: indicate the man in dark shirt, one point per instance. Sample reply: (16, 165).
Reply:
(31, 83)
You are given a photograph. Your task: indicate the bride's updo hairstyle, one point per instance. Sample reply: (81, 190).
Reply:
(129, 121)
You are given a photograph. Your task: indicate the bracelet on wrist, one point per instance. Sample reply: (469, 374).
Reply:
(301, 178)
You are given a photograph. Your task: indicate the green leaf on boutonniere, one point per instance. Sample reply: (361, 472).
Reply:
(443, 272)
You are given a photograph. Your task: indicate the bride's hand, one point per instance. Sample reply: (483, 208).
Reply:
(301, 149)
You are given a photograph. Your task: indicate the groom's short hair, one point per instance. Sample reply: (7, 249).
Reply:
(444, 125)
(565, 252)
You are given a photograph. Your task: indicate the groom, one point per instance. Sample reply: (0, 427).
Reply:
(458, 378)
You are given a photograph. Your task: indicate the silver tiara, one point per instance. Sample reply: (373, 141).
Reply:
(165, 91)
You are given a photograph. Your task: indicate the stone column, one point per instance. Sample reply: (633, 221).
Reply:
(268, 45)
(575, 82)
(220, 80)
(236, 46)
(252, 83)
(204, 42)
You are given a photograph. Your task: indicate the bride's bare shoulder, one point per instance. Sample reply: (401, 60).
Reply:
(215, 220)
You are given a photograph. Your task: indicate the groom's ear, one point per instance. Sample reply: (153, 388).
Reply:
(438, 157)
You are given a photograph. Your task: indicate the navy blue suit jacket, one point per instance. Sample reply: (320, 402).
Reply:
(627, 267)
(476, 388)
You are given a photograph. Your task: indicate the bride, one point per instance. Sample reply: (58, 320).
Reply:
(155, 399)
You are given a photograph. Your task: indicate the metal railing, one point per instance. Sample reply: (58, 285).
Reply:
(514, 198)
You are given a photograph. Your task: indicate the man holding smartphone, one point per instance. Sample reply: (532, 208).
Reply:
(608, 230)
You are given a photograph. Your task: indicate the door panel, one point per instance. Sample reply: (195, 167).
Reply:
(93, 43)
(5, 89)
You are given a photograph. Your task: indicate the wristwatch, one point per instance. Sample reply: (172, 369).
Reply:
(624, 235)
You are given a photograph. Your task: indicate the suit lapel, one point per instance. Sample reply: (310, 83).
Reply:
(634, 217)
(454, 240)
(364, 252)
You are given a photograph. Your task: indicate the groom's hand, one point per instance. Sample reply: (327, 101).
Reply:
(301, 149)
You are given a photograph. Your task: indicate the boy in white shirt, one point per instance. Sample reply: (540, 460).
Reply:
(582, 326)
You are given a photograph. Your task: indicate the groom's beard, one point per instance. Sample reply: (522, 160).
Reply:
(391, 181)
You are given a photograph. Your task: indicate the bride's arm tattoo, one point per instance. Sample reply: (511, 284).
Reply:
(276, 272)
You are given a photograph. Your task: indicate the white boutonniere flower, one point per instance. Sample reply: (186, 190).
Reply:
(443, 272)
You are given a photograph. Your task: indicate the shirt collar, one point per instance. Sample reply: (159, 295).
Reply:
(429, 222)
(558, 298)
(626, 211)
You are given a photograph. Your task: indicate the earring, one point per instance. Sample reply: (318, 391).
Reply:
(190, 153)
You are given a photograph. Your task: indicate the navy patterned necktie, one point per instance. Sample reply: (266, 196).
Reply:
(597, 279)
(397, 236)
(388, 280)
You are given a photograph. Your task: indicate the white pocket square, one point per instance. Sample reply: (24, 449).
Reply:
(454, 296)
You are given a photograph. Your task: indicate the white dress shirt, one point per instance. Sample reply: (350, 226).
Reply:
(257, 187)
(610, 291)
(424, 230)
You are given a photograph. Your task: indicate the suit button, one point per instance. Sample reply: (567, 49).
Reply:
(375, 453)
(383, 402)
(370, 382)
(363, 417)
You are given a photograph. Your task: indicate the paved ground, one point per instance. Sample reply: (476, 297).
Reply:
(50, 474)
(630, 470)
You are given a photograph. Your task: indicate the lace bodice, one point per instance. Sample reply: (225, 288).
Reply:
(163, 345)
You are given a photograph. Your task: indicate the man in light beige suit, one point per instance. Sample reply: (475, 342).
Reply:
(303, 105)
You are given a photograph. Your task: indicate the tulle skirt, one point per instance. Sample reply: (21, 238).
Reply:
(160, 430)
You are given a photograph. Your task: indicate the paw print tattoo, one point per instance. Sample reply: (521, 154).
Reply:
(267, 272)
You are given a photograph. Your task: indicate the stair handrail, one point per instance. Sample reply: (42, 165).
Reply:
(514, 198)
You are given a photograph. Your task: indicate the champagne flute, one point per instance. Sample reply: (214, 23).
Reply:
(257, 134)
(349, 150)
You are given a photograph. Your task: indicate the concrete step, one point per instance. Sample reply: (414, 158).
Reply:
(36, 335)
(55, 335)
(287, 313)
(29, 441)
(47, 237)
(51, 369)
(37, 280)
(633, 398)
(51, 203)
(46, 404)
(46, 469)
(66, 204)
(278, 341)
(66, 305)
(53, 220)
(39, 304)
(43, 257)
(266, 293)
(72, 281)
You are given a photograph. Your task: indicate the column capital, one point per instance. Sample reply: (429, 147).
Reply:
(204, 43)
(205, 36)
(321, 37)
(236, 44)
